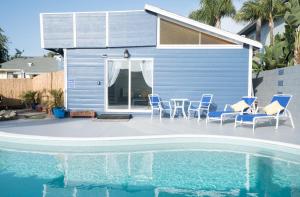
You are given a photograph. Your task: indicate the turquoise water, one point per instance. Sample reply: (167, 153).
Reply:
(156, 171)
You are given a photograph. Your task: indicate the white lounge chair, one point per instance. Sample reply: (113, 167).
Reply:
(252, 119)
(228, 112)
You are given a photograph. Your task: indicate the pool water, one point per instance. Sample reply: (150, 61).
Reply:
(158, 172)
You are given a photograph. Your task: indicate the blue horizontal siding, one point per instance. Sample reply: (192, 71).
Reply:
(58, 30)
(132, 29)
(178, 73)
(90, 30)
(136, 28)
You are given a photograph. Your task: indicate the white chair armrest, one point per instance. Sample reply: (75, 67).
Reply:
(163, 103)
(227, 106)
(197, 103)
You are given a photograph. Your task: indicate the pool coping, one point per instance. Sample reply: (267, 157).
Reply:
(111, 141)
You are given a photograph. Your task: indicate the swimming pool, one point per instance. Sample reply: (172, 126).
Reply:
(150, 169)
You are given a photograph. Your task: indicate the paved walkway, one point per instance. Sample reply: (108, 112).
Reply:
(144, 126)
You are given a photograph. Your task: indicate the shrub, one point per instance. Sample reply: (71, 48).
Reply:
(57, 98)
(29, 98)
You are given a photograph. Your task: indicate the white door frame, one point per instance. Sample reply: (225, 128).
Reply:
(129, 85)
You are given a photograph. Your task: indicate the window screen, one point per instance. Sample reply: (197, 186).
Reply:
(172, 33)
(208, 39)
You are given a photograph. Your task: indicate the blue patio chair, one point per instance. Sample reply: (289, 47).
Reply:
(283, 100)
(160, 106)
(200, 106)
(228, 112)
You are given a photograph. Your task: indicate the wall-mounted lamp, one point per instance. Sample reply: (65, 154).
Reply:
(126, 53)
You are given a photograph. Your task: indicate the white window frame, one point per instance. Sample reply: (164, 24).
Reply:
(129, 109)
(190, 46)
(250, 86)
(65, 79)
(74, 30)
(42, 31)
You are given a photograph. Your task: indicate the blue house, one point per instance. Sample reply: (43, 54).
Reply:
(113, 60)
(250, 30)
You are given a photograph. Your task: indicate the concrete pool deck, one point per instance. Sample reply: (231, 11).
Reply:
(141, 126)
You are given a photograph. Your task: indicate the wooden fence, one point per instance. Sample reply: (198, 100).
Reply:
(11, 89)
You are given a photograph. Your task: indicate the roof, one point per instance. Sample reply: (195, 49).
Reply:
(32, 64)
(248, 28)
(202, 26)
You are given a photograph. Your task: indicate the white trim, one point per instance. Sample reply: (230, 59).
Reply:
(96, 12)
(129, 83)
(250, 71)
(65, 79)
(202, 26)
(201, 46)
(42, 31)
(74, 30)
(106, 29)
(106, 109)
(158, 32)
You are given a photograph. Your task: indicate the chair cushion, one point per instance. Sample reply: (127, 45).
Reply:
(215, 114)
(273, 108)
(249, 117)
(240, 106)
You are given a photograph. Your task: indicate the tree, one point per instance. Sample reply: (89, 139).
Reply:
(292, 30)
(3, 47)
(212, 11)
(251, 11)
(272, 9)
(18, 53)
(51, 54)
(262, 10)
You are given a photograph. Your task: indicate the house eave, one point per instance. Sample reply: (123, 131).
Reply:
(202, 26)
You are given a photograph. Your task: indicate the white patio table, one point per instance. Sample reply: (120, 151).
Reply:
(179, 104)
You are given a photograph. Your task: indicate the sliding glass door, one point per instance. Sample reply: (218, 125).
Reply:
(128, 83)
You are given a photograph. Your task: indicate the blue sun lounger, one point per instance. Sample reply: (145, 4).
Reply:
(283, 100)
(228, 112)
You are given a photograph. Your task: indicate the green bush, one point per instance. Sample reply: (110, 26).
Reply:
(57, 98)
(29, 98)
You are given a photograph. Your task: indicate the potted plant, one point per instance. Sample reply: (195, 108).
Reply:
(30, 98)
(57, 103)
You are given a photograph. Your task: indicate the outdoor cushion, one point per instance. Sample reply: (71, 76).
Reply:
(239, 106)
(273, 108)
(218, 113)
(249, 117)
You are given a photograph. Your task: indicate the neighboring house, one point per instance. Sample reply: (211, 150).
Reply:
(249, 31)
(28, 67)
(113, 60)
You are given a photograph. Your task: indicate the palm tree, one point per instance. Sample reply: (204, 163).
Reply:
(212, 11)
(262, 10)
(3, 47)
(251, 11)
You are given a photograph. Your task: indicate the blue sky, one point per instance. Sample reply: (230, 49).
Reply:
(20, 19)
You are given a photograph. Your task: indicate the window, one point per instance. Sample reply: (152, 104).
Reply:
(172, 33)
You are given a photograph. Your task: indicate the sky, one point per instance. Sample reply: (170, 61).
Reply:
(20, 18)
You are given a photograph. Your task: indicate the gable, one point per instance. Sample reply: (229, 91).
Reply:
(201, 26)
(173, 33)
